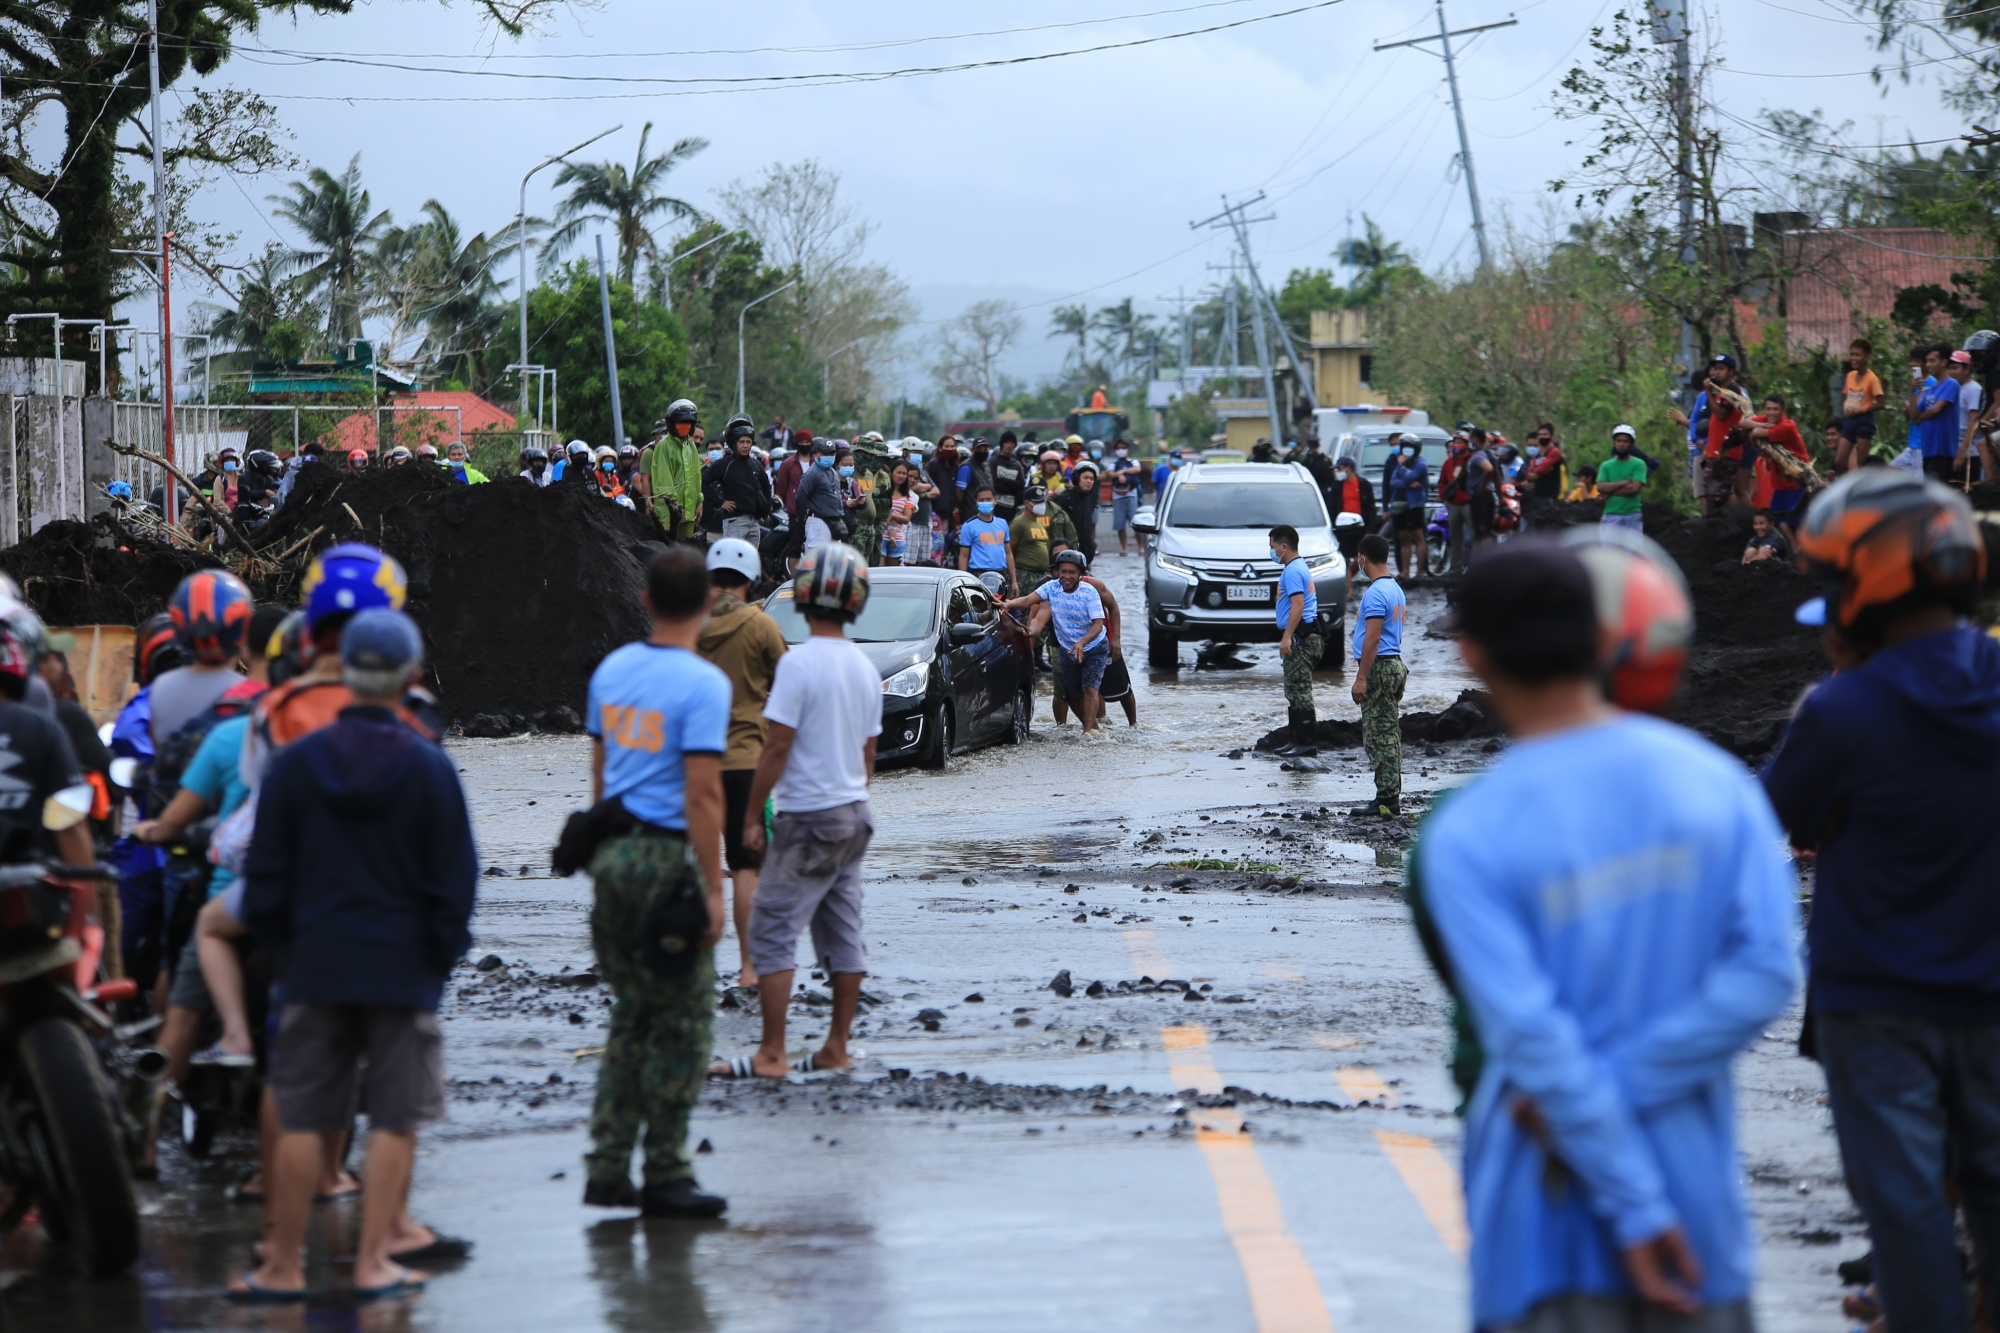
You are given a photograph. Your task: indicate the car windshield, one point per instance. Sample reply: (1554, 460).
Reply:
(894, 611)
(1374, 453)
(1244, 504)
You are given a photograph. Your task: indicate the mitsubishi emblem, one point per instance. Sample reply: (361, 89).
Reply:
(1248, 571)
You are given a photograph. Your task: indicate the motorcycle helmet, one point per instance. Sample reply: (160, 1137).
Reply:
(427, 453)
(738, 428)
(1884, 541)
(357, 459)
(120, 490)
(1645, 617)
(157, 649)
(534, 453)
(399, 456)
(285, 651)
(264, 463)
(211, 610)
(578, 449)
(737, 555)
(22, 637)
(628, 453)
(347, 578)
(832, 580)
(681, 412)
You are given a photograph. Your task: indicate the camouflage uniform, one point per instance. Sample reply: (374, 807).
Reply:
(1306, 649)
(1381, 729)
(656, 1055)
(871, 473)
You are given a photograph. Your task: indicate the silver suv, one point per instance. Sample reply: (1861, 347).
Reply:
(1209, 573)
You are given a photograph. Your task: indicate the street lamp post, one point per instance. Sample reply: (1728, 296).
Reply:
(826, 366)
(667, 269)
(521, 240)
(741, 395)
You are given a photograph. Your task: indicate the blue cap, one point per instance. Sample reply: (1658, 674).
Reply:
(379, 639)
(1811, 613)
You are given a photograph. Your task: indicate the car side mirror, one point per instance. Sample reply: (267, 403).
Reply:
(1146, 520)
(1348, 520)
(964, 633)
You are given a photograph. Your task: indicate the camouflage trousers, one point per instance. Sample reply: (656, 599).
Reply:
(1381, 727)
(657, 1053)
(868, 541)
(1306, 649)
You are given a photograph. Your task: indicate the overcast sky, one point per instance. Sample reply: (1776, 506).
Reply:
(1073, 177)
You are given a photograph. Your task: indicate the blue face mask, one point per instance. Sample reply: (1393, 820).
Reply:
(986, 509)
(715, 455)
(824, 462)
(1533, 449)
(229, 466)
(847, 471)
(1276, 559)
(916, 459)
(1097, 453)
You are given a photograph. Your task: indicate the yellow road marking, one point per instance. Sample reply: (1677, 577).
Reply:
(1335, 1041)
(1364, 1085)
(1435, 1184)
(1282, 973)
(1284, 1294)
(1144, 948)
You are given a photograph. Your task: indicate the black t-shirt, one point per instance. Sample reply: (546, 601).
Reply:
(1009, 473)
(1774, 541)
(36, 762)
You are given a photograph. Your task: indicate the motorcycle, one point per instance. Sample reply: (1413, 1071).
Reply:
(1437, 537)
(66, 1135)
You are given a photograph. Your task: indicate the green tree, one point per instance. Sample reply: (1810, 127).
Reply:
(631, 201)
(332, 214)
(1307, 290)
(1073, 321)
(83, 63)
(566, 331)
(440, 288)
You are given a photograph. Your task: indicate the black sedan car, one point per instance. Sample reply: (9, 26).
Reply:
(956, 671)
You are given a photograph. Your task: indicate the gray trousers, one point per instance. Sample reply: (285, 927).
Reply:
(1458, 535)
(1602, 1314)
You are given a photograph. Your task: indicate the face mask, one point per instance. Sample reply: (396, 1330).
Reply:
(847, 471)
(979, 455)
(823, 462)
(229, 466)
(916, 459)
(715, 455)
(1122, 453)
(1175, 465)
(1276, 559)
(537, 466)
(607, 466)
(1409, 453)
(986, 509)
(1041, 508)
(1097, 453)
(1534, 449)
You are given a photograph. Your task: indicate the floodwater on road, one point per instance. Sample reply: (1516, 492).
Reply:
(1233, 1112)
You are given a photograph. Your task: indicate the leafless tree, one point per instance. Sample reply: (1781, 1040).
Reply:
(969, 350)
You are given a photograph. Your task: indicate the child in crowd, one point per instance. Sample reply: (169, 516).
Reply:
(1860, 397)
(1766, 541)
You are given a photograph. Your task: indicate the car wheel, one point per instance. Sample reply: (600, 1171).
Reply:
(937, 738)
(1023, 720)
(1163, 650)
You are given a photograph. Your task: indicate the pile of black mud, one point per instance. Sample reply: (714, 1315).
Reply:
(82, 574)
(520, 590)
(1751, 659)
(1470, 717)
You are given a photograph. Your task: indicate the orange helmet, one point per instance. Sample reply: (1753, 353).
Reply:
(1882, 539)
(1645, 618)
(357, 459)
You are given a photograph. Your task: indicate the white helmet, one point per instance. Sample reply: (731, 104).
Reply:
(733, 553)
(578, 447)
(871, 437)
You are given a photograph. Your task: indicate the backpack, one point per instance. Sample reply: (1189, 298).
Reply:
(178, 750)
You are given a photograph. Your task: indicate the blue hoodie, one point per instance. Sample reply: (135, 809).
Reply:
(1612, 965)
(1890, 770)
(361, 872)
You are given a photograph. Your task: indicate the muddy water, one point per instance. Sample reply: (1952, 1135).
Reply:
(1008, 1156)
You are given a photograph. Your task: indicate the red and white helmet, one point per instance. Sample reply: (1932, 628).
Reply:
(1645, 618)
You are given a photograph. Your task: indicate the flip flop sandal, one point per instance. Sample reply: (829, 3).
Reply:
(339, 1196)
(240, 1192)
(736, 1066)
(406, 1284)
(441, 1250)
(252, 1294)
(804, 1065)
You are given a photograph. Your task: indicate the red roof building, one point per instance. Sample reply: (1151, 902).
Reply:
(1842, 277)
(426, 417)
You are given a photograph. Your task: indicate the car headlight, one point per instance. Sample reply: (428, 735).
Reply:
(1320, 564)
(910, 682)
(1167, 562)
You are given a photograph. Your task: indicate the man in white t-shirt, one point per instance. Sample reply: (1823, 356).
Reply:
(825, 711)
(1971, 404)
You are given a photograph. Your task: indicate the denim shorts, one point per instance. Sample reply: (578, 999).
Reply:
(1087, 674)
(1123, 507)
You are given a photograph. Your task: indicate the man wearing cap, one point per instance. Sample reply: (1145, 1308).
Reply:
(1611, 969)
(1729, 478)
(1076, 613)
(1620, 478)
(360, 880)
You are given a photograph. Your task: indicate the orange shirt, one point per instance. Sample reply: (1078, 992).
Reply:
(1863, 394)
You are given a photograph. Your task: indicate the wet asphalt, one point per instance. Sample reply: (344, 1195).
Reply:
(1149, 1042)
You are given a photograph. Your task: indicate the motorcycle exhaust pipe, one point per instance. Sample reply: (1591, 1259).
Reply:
(147, 1063)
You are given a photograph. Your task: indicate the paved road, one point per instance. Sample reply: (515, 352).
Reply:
(1276, 1155)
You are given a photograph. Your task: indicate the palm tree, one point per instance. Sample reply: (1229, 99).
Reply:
(1376, 257)
(465, 310)
(1124, 334)
(629, 201)
(1073, 321)
(271, 320)
(331, 212)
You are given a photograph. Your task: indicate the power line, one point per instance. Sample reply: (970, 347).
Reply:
(671, 86)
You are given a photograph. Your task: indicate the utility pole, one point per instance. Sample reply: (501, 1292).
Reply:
(610, 348)
(160, 240)
(1443, 39)
(1670, 24)
(1263, 307)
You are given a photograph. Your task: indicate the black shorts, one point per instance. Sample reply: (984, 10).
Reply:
(1410, 520)
(735, 804)
(1349, 539)
(1481, 508)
